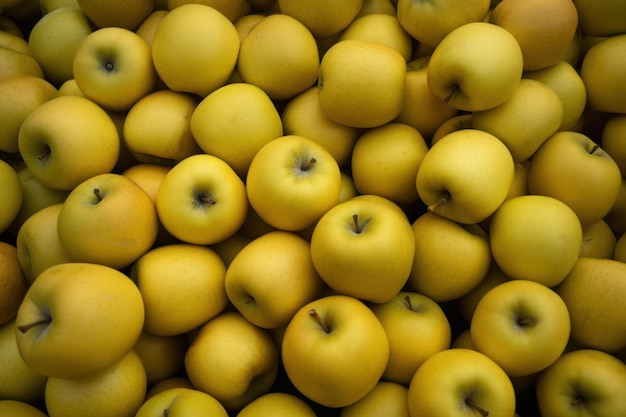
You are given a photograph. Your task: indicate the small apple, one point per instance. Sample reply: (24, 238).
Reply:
(599, 241)
(602, 19)
(13, 62)
(181, 402)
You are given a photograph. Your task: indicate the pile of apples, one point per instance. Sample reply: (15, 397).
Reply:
(308, 208)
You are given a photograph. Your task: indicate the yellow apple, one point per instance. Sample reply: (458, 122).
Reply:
(118, 390)
(12, 281)
(361, 83)
(599, 241)
(70, 88)
(280, 56)
(612, 132)
(234, 122)
(195, 49)
(467, 303)
(386, 399)
(9, 25)
(48, 6)
(175, 306)
(378, 6)
(11, 194)
(118, 13)
(162, 356)
(167, 383)
(20, 409)
(324, 18)
(600, 71)
(18, 63)
(277, 404)
(245, 23)
(150, 24)
(616, 217)
(383, 28)
(181, 402)
(232, 9)
(601, 18)
(14, 42)
(459, 121)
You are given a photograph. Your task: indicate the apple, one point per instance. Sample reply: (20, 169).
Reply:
(118, 13)
(612, 131)
(386, 399)
(71, 312)
(120, 390)
(334, 350)
(12, 281)
(586, 382)
(167, 383)
(599, 241)
(601, 18)
(13, 62)
(20, 408)
(181, 402)
(280, 56)
(466, 304)
(271, 278)
(324, 18)
(591, 291)
(574, 158)
(234, 122)
(68, 140)
(175, 306)
(232, 360)
(416, 328)
(232, 9)
(364, 248)
(361, 83)
(48, 6)
(292, 181)
(11, 193)
(476, 67)
(378, 6)
(14, 41)
(522, 325)
(461, 382)
(162, 356)
(450, 259)
(465, 176)
(195, 49)
(600, 71)
(277, 404)
(147, 28)
(202, 200)
(615, 218)
(535, 237)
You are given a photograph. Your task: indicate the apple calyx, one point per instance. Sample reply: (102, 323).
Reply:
(526, 322)
(166, 412)
(476, 407)
(203, 198)
(313, 313)
(308, 164)
(26, 327)
(455, 90)
(439, 203)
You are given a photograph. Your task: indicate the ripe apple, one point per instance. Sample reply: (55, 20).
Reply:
(174, 305)
(476, 67)
(201, 200)
(70, 312)
(585, 382)
(147, 28)
(162, 356)
(20, 408)
(277, 404)
(386, 399)
(271, 278)
(361, 83)
(232, 360)
(467, 303)
(364, 247)
(600, 71)
(460, 121)
(334, 350)
(181, 402)
(67, 140)
(599, 241)
(604, 18)
(119, 389)
(11, 193)
(612, 132)
(167, 383)
(522, 325)
(292, 181)
(234, 122)
(459, 382)
(195, 49)
(591, 292)
(49, 5)
(13, 62)
(416, 328)
(465, 176)
(232, 9)
(615, 218)
(450, 258)
(324, 18)
(118, 13)
(12, 281)
(574, 158)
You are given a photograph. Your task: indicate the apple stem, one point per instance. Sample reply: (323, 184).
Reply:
(208, 200)
(166, 412)
(44, 154)
(441, 202)
(98, 194)
(450, 96)
(26, 327)
(408, 301)
(317, 317)
(355, 218)
(526, 322)
(308, 164)
(595, 148)
(476, 407)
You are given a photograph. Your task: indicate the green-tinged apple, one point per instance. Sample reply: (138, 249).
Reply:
(11, 194)
(12, 281)
(386, 399)
(465, 176)
(280, 56)
(15, 42)
(271, 278)
(234, 122)
(109, 220)
(565, 81)
(600, 71)
(118, 13)
(466, 304)
(54, 40)
(612, 133)
(430, 22)
(157, 128)
(182, 286)
(599, 241)
(48, 6)
(13, 62)
(163, 357)
(476, 67)
(202, 200)
(195, 49)
(416, 328)
(303, 116)
(70, 312)
(583, 382)
(592, 292)
(364, 248)
(277, 404)
(450, 259)
(535, 237)
(601, 18)
(324, 18)
(335, 350)
(378, 6)
(113, 67)
(232, 360)
(385, 161)
(292, 181)
(17, 380)
(20, 409)
(68, 140)
(361, 83)
(532, 114)
(383, 28)
(181, 402)
(461, 382)
(522, 325)
(118, 390)
(568, 158)
(21, 94)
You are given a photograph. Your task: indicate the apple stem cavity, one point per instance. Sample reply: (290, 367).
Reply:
(595, 148)
(441, 202)
(476, 407)
(98, 194)
(526, 322)
(203, 198)
(44, 155)
(308, 164)
(408, 302)
(313, 313)
(26, 327)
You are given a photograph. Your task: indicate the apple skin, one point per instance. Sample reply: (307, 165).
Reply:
(181, 402)
(386, 399)
(277, 404)
(118, 13)
(20, 408)
(324, 18)
(91, 306)
(601, 18)
(12, 281)
(11, 194)
(600, 71)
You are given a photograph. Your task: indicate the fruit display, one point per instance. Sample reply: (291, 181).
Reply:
(312, 208)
